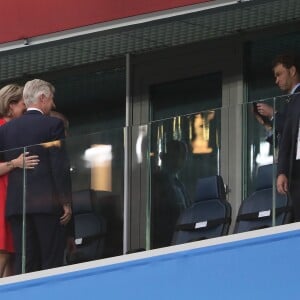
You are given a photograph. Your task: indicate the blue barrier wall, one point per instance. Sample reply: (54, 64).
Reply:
(263, 267)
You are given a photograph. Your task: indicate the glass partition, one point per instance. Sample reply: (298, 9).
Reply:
(265, 121)
(259, 148)
(83, 175)
(191, 183)
(97, 165)
(183, 149)
(187, 151)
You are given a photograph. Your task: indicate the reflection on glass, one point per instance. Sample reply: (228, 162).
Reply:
(200, 135)
(262, 136)
(259, 149)
(183, 149)
(177, 130)
(201, 128)
(138, 146)
(99, 158)
(97, 162)
(96, 227)
(264, 157)
(161, 142)
(169, 195)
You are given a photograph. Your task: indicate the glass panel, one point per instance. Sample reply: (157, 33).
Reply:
(183, 149)
(97, 163)
(187, 150)
(184, 156)
(259, 140)
(89, 170)
(264, 206)
(262, 135)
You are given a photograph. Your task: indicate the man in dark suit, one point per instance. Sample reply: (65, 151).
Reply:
(47, 201)
(281, 64)
(287, 75)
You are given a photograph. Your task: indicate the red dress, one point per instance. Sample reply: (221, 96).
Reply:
(6, 241)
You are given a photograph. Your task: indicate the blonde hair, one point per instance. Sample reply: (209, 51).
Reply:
(9, 94)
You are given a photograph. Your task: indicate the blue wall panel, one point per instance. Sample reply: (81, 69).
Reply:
(257, 268)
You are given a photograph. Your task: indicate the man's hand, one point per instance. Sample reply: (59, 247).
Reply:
(265, 110)
(282, 184)
(66, 217)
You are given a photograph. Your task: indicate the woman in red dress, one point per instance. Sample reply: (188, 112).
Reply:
(11, 106)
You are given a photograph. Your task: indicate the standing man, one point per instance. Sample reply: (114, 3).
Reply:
(287, 75)
(48, 203)
(283, 68)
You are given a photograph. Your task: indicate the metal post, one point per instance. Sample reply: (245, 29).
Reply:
(274, 167)
(127, 160)
(24, 216)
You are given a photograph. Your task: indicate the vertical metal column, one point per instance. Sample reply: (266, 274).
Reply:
(274, 168)
(127, 157)
(24, 216)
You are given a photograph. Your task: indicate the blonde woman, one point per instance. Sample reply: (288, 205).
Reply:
(11, 106)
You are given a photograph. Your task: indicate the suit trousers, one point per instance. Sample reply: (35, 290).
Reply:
(295, 190)
(45, 242)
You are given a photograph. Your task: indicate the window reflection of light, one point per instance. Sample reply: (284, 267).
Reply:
(251, 159)
(160, 143)
(263, 157)
(138, 145)
(98, 154)
(201, 126)
(99, 159)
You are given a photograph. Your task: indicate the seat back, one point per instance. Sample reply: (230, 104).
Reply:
(255, 211)
(90, 229)
(209, 216)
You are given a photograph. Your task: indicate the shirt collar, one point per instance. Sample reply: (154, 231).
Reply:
(33, 108)
(295, 87)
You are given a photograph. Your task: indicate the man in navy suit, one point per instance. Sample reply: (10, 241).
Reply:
(47, 198)
(287, 75)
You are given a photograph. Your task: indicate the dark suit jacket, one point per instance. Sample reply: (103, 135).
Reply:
(288, 142)
(48, 184)
(279, 120)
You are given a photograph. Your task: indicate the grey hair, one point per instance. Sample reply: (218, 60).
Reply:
(33, 89)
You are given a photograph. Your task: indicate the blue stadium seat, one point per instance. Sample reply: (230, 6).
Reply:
(90, 229)
(208, 217)
(256, 211)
